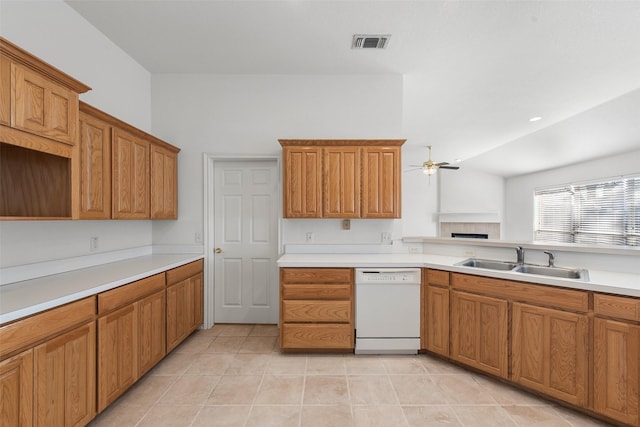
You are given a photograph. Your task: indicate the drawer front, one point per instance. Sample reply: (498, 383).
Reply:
(324, 292)
(316, 275)
(316, 311)
(567, 299)
(27, 332)
(185, 271)
(438, 277)
(317, 336)
(616, 306)
(110, 300)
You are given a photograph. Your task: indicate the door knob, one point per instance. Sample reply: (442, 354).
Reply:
(218, 250)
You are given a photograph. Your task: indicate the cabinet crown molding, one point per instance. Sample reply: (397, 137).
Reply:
(341, 142)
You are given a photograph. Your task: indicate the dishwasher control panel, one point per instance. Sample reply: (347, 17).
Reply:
(387, 275)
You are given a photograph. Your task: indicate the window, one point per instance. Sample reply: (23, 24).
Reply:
(603, 212)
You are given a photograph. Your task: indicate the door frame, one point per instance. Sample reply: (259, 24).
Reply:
(209, 165)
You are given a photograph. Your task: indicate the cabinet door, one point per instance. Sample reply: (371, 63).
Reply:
(341, 182)
(151, 318)
(184, 309)
(616, 374)
(302, 182)
(130, 176)
(117, 354)
(437, 320)
(95, 168)
(65, 379)
(42, 107)
(5, 91)
(16, 390)
(381, 177)
(164, 183)
(549, 352)
(479, 332)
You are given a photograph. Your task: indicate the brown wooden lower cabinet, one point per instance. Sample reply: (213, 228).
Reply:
(479, 332)
(550, 352)
(16, 385)
(184, 302)
(152, 336)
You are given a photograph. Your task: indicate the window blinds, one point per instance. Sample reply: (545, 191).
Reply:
(605, 212)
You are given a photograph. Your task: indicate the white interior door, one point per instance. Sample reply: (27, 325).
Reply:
(246, 241)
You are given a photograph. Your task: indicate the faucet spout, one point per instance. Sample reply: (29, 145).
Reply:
(520, 255)
(551, 258)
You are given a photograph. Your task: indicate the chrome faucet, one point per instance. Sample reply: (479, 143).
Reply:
(552, 259)
(520, 252)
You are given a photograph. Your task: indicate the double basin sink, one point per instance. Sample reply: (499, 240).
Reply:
(540, 270)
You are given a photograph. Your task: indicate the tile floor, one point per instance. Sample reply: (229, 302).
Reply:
(234, 375)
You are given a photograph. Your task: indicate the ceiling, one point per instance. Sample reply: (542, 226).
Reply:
(474, 71)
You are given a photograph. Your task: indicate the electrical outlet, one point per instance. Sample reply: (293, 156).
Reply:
(470, 253)
(198, 237)
(413, 250)
(93, 244)
(309, 237)
(385, 237)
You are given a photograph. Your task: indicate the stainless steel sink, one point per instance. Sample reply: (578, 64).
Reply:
(488, 264)
(565, 273)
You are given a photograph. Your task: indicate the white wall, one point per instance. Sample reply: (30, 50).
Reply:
(54, 32)
(247, 114)
(519, 190)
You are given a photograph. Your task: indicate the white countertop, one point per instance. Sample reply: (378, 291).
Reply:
(601, 281)
(28, 297)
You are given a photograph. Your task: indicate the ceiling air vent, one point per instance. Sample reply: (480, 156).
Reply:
(369, 41)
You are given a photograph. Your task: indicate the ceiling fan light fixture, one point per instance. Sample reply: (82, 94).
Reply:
(429, 171)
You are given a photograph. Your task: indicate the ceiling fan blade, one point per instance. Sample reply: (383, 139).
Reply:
(413, 169)
(441, 164)
(416, 166)
(450, 167)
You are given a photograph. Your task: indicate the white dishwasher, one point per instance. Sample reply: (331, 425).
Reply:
(387, 310)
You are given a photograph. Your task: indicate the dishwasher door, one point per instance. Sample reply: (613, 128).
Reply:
(387, 311)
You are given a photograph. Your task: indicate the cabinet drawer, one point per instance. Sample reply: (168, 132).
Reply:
(317, 336)
(616, 306)
(324, 292)
(118, 297)
(316, 311)
(437, 277)
(316, 275)
(183, 272)
(29, 331)
(567, 299)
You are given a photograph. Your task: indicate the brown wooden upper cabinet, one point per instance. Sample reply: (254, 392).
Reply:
(124, 172)
(38, 137)
(341, 178)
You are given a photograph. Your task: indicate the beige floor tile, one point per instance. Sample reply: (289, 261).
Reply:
(325, 389)
(280, 390)
(210, 364)
(224, 344)
(265, 331)
(173, 364)
(234, 330)
(462, 389)
(506, 394)
(536, 416)
(214, 330)
(364, 365)
(435, 366)
(235, 389)
(293, 364)
(120, 415)
(326, 365)
(326, 416)
(274, 416)
(378, 416)
(248, 364)
(258, 345)
(148, 390)
(578, 419)
(417, 390)
(195, 344)
(404, 365)
(371, 390)
(222, 416)
(170, 416)
(421, 416)
(190, 390)
(483, 416)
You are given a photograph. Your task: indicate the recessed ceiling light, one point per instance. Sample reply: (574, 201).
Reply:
(535, 119)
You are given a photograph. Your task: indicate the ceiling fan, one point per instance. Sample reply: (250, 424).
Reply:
(430, 167)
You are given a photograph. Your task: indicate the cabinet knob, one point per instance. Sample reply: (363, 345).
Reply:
(218, 250)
